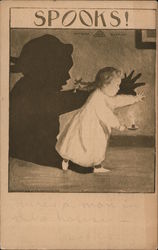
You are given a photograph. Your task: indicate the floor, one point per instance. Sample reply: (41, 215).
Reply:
(131, 170)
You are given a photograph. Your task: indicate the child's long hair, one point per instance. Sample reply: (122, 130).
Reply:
(104, 76)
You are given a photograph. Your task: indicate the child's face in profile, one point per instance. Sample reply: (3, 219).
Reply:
(112, 88)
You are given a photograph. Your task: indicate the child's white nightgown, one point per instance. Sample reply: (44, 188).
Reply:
(84, 138)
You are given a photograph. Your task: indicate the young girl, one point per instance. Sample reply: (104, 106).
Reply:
(84, 138)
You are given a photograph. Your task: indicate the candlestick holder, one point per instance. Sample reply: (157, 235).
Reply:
(133, 127)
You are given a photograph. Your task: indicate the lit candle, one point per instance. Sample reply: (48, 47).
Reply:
(132, 120)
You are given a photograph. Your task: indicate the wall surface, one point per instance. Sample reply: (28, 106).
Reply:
(94, 50)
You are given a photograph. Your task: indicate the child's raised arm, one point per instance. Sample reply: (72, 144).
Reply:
(125, 100)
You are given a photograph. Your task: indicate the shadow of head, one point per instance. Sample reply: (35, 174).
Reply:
(45, 58)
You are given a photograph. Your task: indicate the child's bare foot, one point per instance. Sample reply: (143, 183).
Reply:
(101, 170)
(65, 165)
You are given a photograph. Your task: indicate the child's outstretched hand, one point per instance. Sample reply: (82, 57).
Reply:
(122, 127)
(140, 97)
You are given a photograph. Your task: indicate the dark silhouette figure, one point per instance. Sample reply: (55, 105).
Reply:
(36, 100)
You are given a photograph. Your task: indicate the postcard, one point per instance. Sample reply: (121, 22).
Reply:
(78, 125)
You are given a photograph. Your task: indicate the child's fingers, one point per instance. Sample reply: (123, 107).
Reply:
(141, 93)
(142, 98)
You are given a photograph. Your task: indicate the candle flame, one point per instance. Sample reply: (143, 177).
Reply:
(132, 116)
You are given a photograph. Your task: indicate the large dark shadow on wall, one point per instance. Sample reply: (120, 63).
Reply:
(36, 100)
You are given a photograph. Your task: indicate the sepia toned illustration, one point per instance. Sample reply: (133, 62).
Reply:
(81, 111)
(78, 125)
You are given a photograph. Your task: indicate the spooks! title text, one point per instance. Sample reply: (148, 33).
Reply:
(83, 17)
